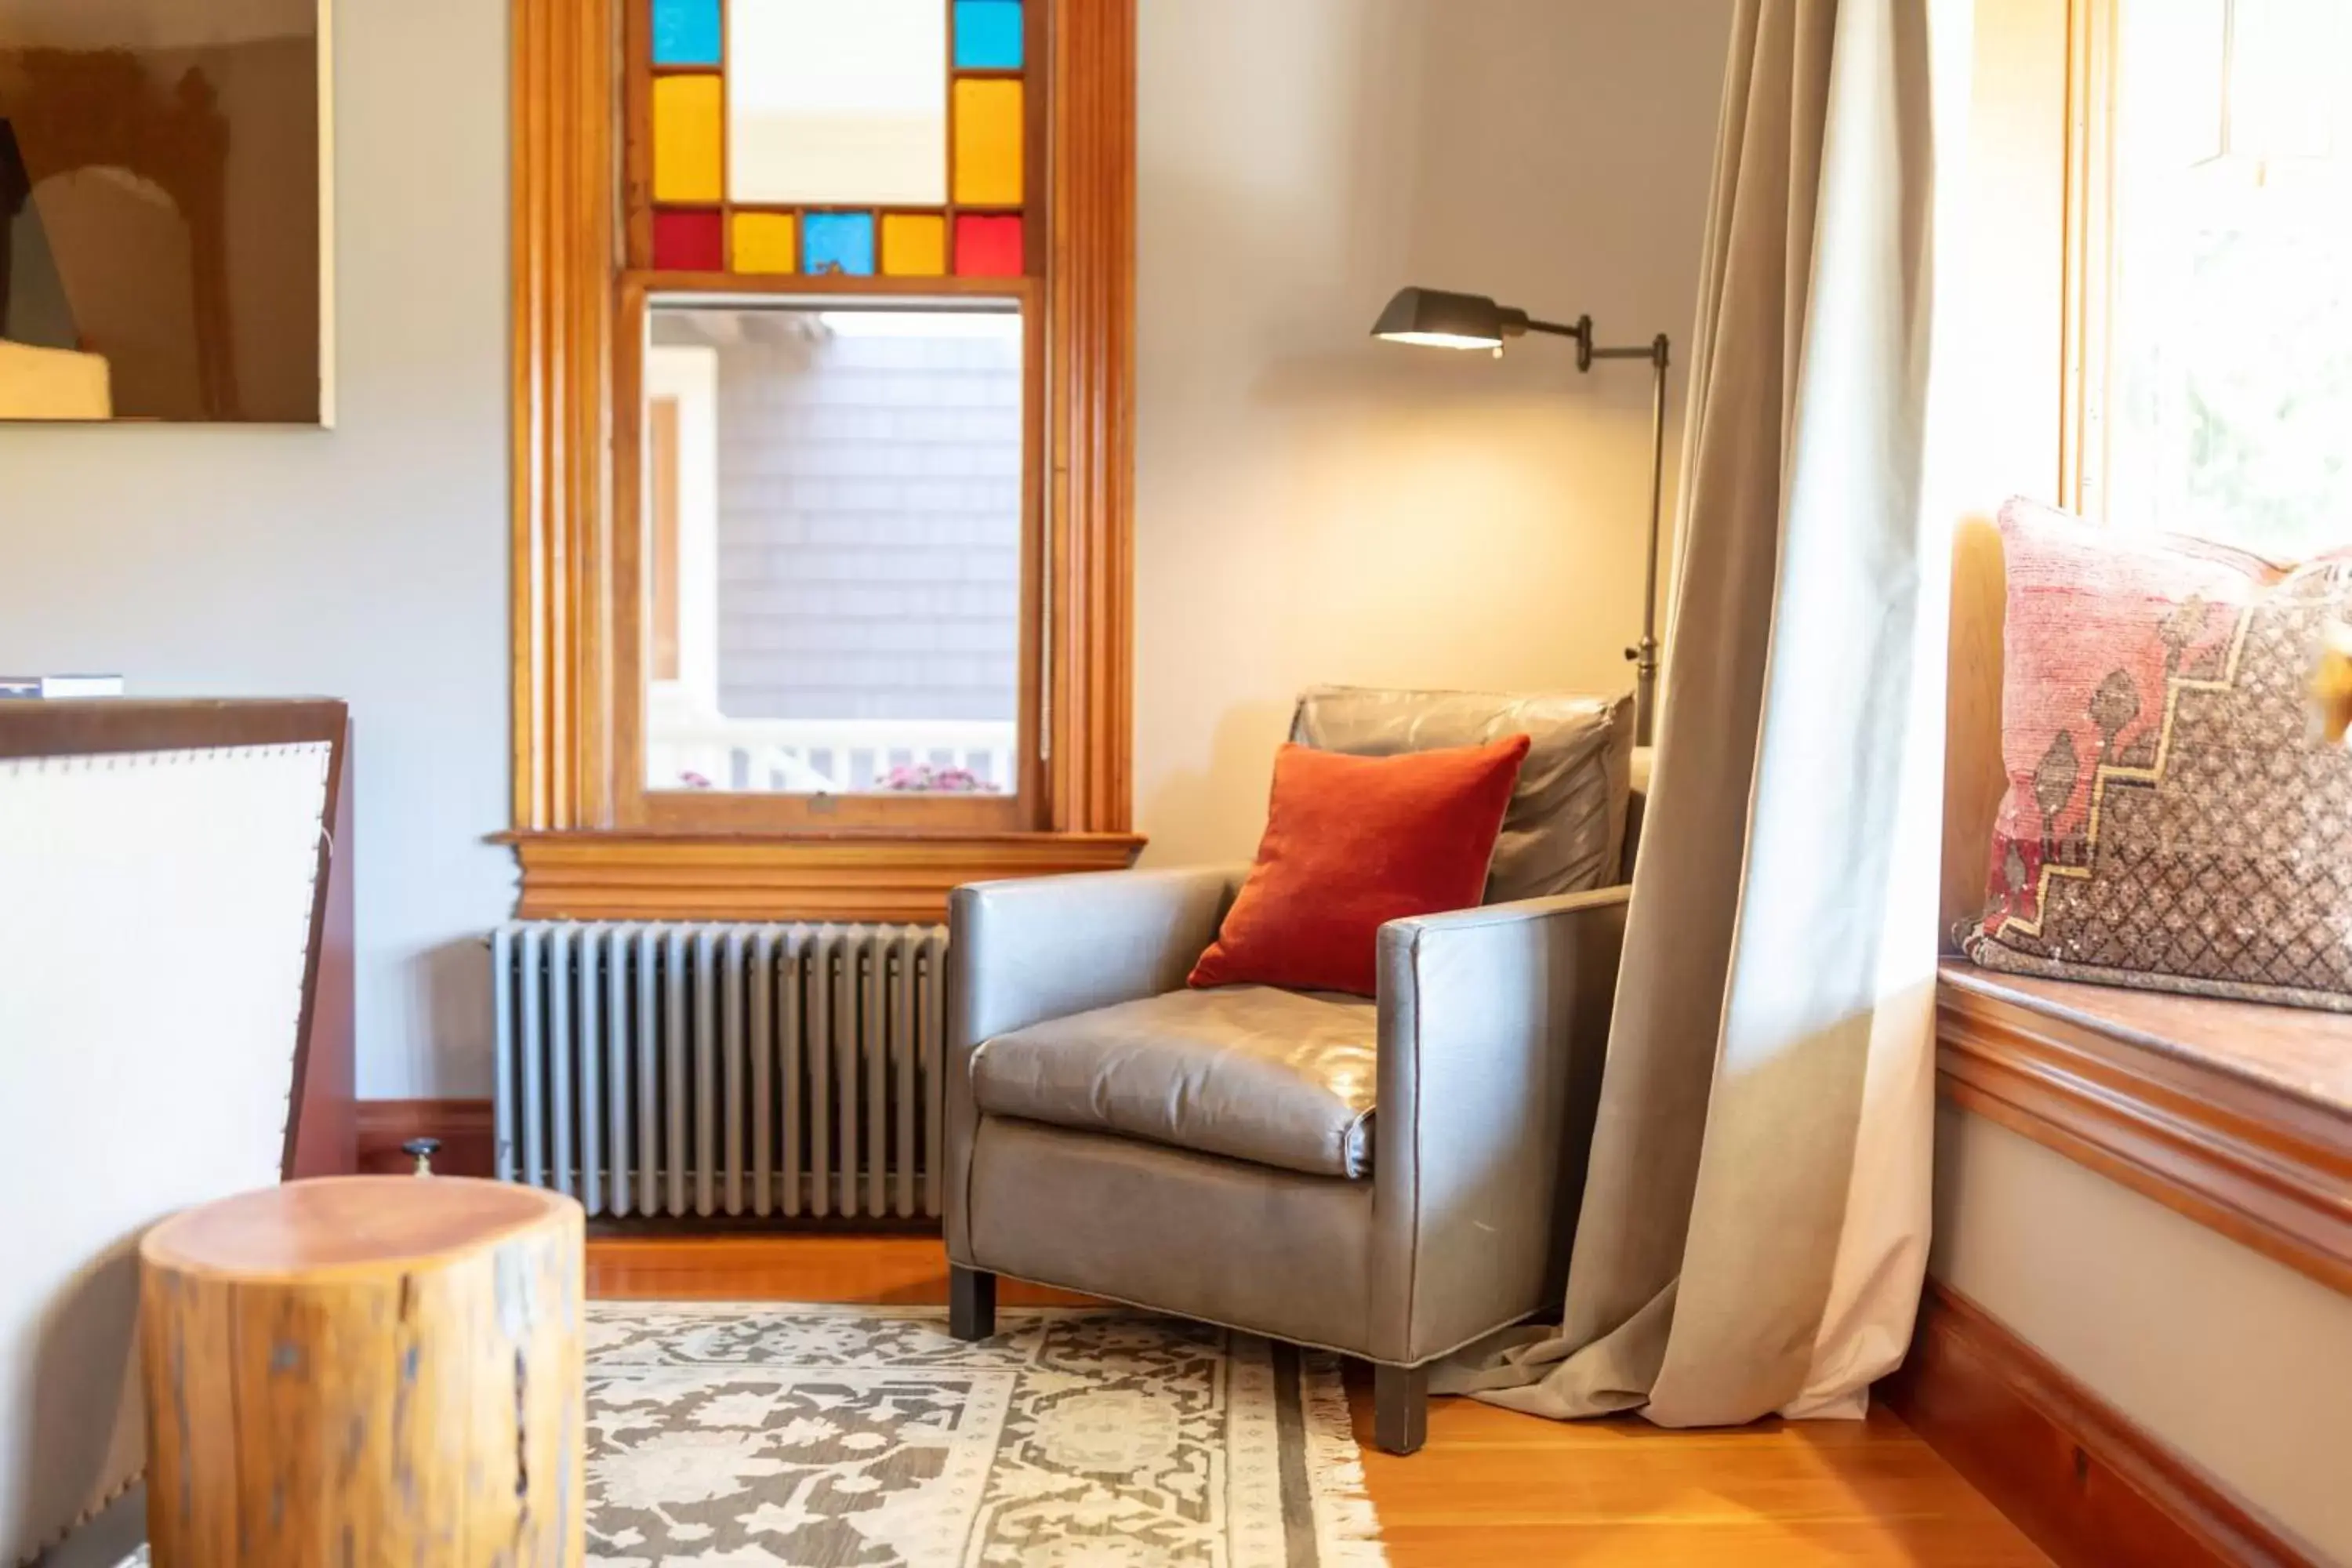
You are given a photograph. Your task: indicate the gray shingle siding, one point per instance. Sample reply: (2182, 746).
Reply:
(869, 528)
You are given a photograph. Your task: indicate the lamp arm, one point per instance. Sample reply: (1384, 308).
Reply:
(1581, 330)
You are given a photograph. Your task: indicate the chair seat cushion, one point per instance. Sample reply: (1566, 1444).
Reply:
(1276, 1078)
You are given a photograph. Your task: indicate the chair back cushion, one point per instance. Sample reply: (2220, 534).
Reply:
(1564, 830)
(1350, 844)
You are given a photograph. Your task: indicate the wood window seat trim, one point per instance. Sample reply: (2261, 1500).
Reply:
(603, 876)
(2237, 1115)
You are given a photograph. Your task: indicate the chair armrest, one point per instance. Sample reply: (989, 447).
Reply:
(1019, 953)
(1044, 947)
(1494, 1027)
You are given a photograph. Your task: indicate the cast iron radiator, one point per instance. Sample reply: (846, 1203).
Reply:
(695, 1071)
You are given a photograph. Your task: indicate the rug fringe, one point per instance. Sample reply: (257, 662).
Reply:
(1346, 1526)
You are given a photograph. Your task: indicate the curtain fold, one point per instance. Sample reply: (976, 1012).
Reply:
(1754, 1217)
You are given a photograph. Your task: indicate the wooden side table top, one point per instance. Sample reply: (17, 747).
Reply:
(348, 1222)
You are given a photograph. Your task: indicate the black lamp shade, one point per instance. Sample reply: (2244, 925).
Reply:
(1434, 318)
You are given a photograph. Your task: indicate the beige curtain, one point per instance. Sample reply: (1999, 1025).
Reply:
(1754, 1217)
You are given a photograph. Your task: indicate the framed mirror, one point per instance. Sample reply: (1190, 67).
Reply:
(164, 214)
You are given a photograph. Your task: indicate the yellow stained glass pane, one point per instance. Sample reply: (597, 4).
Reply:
(686, 138)
(914, 246)
(766, 242)
(988, 143)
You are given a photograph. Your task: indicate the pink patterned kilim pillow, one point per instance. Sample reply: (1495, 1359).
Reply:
(2171, 821)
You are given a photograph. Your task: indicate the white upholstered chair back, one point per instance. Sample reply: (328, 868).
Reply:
(155, 917)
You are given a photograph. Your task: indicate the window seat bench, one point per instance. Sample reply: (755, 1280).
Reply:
(2235, 1114)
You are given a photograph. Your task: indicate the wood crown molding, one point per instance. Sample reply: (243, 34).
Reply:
(2269, 1168)
(605, 876)
(2088, 1484)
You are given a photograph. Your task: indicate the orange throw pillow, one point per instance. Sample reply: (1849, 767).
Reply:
(1350, 844)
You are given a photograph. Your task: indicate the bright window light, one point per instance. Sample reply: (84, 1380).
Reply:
(993, 325)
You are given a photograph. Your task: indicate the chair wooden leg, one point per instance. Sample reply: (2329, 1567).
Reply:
(971, 1302)
(1400, 1408)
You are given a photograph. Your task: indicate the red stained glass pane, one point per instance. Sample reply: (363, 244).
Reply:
(691, 240)
(988, 246)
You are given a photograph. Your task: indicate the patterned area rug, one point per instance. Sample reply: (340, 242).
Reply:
(767, 1435)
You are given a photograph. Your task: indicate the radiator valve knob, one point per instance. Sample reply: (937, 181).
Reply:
(422, 1151)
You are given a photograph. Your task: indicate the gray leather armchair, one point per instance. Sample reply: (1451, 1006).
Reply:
(1391, 1179)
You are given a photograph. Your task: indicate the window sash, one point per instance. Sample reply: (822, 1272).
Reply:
(639, 807)
(2108, 317)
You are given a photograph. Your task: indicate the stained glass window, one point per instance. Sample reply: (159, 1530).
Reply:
(805, 138)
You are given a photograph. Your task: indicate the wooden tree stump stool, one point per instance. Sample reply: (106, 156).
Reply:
(366, 1369)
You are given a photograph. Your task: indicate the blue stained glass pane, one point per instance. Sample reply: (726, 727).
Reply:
(988, 34)
(686, 32)
(838, 241)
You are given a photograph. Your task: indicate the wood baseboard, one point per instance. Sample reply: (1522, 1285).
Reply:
(2089, 1485)
(465, 1127)
(469, 1133)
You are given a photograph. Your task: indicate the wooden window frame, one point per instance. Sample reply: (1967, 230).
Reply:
(589, 841)
(2088, 282)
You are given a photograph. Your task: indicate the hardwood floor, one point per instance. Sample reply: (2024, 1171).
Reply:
(1491, 1486)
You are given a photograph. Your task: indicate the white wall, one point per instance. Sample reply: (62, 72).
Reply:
(1313, 506)
(368, 561)
(2240, 1364)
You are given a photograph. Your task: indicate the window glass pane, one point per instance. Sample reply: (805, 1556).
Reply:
(833, 548)
(766, 242)
(686, 32)
(987, 139)
(686, 139)
(840, 242)
(988, 34)
(988, 246)
(830, 101)
(914, 245)
(2228, 406)
(689, 240)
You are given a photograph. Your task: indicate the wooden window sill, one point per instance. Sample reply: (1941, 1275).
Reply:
(831, 877)
(2235, 1114)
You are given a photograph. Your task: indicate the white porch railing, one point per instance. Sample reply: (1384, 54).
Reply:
(822, 756)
